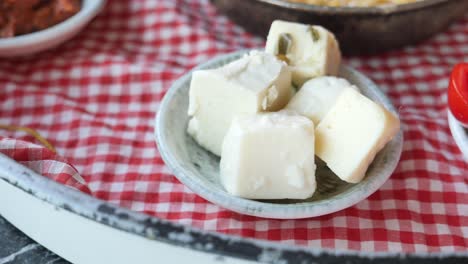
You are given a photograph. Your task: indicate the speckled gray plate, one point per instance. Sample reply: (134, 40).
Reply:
(199, 170)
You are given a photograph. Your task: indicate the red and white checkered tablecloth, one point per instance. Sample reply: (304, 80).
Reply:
(95, 98)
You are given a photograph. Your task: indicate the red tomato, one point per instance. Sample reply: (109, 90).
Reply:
(458, 93)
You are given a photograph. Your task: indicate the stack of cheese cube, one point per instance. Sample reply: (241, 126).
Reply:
(267, 137)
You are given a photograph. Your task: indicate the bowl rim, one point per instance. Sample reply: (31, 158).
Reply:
(459, 134)
(89, 9)
(377, 10)
(258, 208)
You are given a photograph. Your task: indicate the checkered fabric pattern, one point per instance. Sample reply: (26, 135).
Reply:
(95, 98)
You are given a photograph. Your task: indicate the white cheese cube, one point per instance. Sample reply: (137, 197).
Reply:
(311, 51)
(317, 96)
(255, 83)
(269, 156)
(352, 133)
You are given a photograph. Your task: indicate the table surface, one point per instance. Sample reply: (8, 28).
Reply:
(17, 248)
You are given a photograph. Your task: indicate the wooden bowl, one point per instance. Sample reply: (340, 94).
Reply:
(359, 30)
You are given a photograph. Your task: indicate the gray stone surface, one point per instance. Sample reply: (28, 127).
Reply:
(17, 248)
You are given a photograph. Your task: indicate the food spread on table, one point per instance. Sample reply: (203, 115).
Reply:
(268, 137)
(96, 99)
(354, 3)
(19, 17)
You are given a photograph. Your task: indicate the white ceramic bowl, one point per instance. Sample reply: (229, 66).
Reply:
(52, 36)
(460, 134)
(199, 170)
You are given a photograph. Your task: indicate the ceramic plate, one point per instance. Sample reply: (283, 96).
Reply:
(51, 37)
(198, 169)
(460, 134)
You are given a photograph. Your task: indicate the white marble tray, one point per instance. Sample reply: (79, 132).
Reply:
(83, 229)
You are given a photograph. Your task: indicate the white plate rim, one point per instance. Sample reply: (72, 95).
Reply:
(459, 134)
